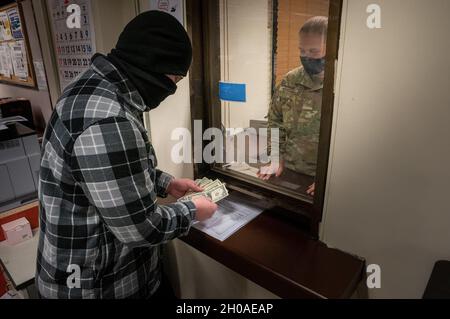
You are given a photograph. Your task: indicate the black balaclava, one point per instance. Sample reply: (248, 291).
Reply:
(152, 45)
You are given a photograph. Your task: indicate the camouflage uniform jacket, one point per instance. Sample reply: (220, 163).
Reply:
(295, 110)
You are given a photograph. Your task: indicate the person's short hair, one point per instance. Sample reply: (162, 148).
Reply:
(316, 25)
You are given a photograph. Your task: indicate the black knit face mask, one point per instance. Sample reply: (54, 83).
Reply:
(153, 44)
(154, 89)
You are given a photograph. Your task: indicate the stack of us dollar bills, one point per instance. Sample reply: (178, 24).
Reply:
(214, 190)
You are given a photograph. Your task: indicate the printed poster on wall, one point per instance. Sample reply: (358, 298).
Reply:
(2, 63)
(5, 27)
(16, 26)
(6, 68)
(173, 7)
(19, 59)
(74, 47)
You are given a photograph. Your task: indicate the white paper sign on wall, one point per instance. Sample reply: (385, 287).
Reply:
(40, 75)
(173, 7)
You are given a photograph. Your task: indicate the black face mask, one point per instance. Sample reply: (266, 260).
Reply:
(313, 66)
(152, 87)
(152, 45)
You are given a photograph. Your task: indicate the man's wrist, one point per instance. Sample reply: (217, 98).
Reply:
(192, 209)
(169, 185)
(163, 184)
(167, 190)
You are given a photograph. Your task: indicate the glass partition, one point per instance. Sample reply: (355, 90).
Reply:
(272, 69)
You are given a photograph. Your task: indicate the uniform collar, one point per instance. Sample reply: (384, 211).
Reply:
(305, 79)
(125, 88)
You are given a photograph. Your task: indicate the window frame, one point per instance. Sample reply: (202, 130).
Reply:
(203, 27)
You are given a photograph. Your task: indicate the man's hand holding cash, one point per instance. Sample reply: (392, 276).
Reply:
(204, 193)
(213, 190)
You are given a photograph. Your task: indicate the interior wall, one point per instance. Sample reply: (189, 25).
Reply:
(110, 17)
(387, 195)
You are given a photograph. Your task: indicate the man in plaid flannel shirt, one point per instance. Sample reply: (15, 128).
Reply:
(101, 227)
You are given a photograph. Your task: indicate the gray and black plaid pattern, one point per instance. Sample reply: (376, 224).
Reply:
(98, 194)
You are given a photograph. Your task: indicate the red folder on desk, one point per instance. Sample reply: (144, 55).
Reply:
(30, 212)
(3, 285)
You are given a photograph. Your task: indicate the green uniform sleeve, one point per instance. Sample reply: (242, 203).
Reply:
(275, 121)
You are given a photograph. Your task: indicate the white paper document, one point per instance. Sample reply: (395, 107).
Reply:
(233, 213)
(243, 168)
(40, 75)
(10, 120)
(19, 59)
(6, 67)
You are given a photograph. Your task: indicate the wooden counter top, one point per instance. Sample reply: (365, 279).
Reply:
(278, 256)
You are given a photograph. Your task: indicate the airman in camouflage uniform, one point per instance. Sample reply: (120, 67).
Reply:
(295, 110)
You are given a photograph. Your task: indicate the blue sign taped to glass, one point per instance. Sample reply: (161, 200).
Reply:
(233, 92)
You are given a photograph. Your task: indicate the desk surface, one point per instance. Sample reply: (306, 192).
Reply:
(19, 261)
(15, 131)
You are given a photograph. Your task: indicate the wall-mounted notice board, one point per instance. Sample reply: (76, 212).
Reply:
(16, 65)
(74, 47)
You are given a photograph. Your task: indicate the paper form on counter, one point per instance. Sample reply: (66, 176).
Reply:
(233, 213)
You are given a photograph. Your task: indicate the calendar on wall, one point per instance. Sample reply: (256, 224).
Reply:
(74, 45)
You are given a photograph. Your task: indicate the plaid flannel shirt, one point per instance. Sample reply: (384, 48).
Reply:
(101, 228)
